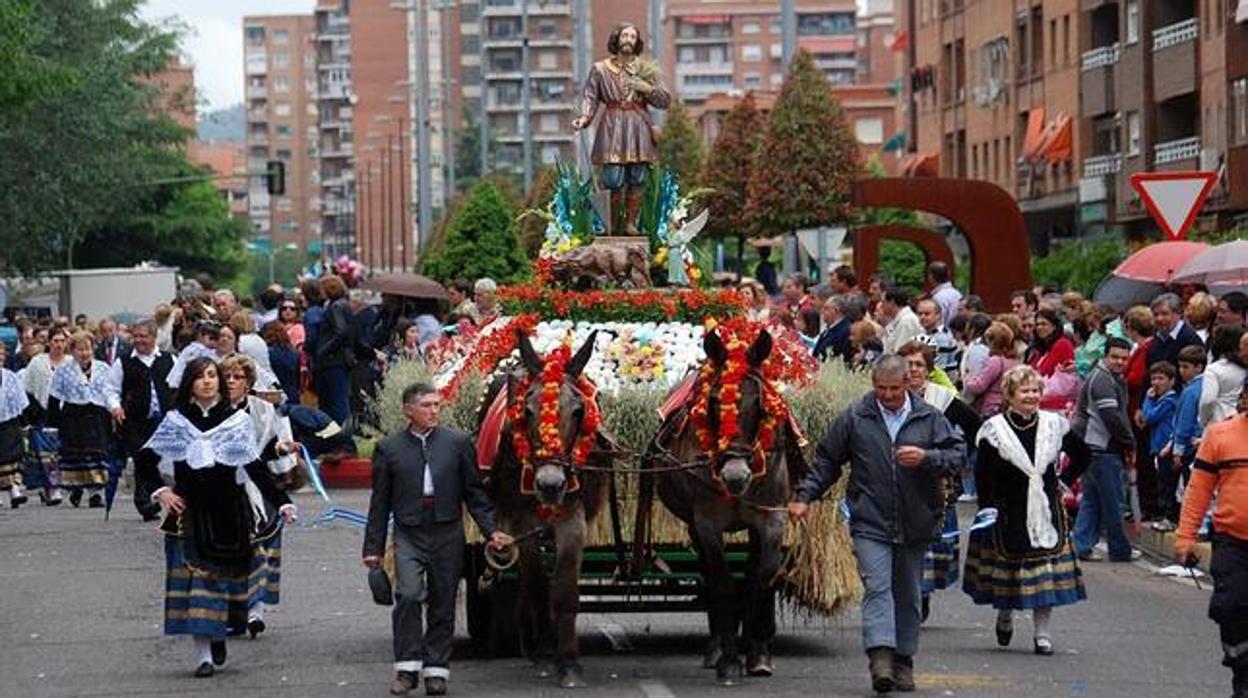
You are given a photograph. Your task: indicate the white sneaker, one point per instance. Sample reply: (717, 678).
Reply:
(1163, 526)
(965, 498)
(57, 495)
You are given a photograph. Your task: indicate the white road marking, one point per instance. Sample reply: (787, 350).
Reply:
(616, 635)
(656, 689)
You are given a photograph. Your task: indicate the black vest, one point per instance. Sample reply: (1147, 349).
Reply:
(136, 386)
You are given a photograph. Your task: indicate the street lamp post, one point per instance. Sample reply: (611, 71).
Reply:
(272, 255)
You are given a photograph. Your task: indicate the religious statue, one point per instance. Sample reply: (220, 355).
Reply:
(623, 87)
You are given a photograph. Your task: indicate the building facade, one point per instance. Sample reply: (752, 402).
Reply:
(228, 160)
(1165, 88)
(335, 142)
(280, 70)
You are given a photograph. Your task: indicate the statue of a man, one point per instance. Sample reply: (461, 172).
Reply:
(623, 87)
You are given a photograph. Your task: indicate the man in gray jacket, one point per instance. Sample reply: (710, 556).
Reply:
(1101, 421)
(899, 448)
(424, 475)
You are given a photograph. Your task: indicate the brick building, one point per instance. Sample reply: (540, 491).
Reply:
(282, 124)
(228, 160)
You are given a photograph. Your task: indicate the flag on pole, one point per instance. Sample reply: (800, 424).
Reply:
(896, 142)
(899, 41)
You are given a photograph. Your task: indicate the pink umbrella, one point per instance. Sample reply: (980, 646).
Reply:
(1225, 264)
(1159, 262)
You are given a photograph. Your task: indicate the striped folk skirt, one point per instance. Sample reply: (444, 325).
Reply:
(941, 568)
(1006, 581)
(90, 474)
(202, 599)
(10, 474)
(43, 461)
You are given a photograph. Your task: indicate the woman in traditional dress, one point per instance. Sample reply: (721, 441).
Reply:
(264, 581)
(45, 445)
(209, 457)
(940, 564)
(78, 409)
(1025, 559)
(14, 408)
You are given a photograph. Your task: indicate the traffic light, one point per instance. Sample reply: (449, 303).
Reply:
(275, 177)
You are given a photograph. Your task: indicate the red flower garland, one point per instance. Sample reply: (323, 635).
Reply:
(490, 351)
(549, 441)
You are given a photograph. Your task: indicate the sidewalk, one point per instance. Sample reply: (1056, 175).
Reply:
(1161, 546)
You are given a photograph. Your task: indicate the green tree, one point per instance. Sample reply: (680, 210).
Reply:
(28, 76)
(1078, 266)
(468, 150)
(728, 170)
(481, 241)
(533, 228)
(77, 152)
(808, 158)
(680, 146)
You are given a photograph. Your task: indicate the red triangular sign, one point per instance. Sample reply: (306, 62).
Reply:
(1173, 198)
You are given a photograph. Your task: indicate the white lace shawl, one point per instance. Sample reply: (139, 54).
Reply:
(938, 396)
(71, 385)
(13, 400)
(1050, 429)
(37, 377)
(231, 443)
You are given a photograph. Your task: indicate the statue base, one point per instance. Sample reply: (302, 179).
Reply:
(610, 261)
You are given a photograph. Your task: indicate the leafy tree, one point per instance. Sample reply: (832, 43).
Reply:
(186, 226)
(28, 76)
(728, 170)
(77, 152)
(468, 150)
(481, 241)
(1078, 266)
(533, 228)
(680, 147)
(808, 158)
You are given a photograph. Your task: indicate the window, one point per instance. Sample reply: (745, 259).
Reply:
(547, 60)
(753, 81)
(1133, 21)
(1066, 39)
(281, 36)
(1239, 112)
(1053, 42)
(750, 27)
(282, 131)
(282, 154)
(775, 26)
(312, 110)
(869, 130)
(255, 36)
(550, 154)
(469, 44)
(549, 123)
(281, 84)
(281, 109)
(284, 204)
(281, 60)
(751, 53)
(777, 51)
(1133, 133)
(777, 79)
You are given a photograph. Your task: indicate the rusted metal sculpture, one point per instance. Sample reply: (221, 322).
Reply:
(867, 241)
(986, 215)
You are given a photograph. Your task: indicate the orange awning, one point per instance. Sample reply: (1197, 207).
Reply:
(1035, 129)
(828, 44)
(905, 165)
(1058, 145)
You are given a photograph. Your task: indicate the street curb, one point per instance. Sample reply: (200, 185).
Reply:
(1160, 546)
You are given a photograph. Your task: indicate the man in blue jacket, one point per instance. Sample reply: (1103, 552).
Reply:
(899, 448)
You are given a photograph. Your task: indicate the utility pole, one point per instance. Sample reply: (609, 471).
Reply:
(449, 120)
(403, 186)
(421, 84)
(655, 43)
(483, 116)
(526, 98)
(788, 27)
(387, 204)
(580, 71)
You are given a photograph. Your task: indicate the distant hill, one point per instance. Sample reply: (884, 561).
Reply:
(227, 124)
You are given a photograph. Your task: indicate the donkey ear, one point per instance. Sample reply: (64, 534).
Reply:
(581, 358)
(760, 349)
(528, 355)
(714, 347)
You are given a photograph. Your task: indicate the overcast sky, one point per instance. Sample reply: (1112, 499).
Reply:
(215, 41)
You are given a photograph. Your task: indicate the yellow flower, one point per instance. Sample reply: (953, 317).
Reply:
(660, 257)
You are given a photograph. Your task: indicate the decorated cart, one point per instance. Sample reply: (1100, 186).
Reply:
(647, 348)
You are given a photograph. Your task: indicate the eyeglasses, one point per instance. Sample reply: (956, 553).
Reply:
(235, 377)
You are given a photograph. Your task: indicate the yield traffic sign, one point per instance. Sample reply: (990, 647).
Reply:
(1173, 198)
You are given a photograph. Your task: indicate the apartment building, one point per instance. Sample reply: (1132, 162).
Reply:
(282, 124)
(715, 47)
(336, 133)
(1165, 88)
(993, 94)
(878, 61)
(228, 160)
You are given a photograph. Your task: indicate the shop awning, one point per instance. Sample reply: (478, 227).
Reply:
(1035, 129)
(920, 165)
(1057, 144)
(817, 45)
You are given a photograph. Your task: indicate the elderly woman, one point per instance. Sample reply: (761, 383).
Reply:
(984, 386)
(485, 295)
(45, 444)
(264, 578)
(1200, 312)
(940, 564)
(78, 409)
(1025, 559)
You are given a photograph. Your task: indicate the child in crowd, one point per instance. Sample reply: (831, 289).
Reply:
(1185, 433)
(1157, 412)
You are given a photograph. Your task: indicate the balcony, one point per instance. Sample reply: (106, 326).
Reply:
(1174, 60)
(510, 8)
(1182, 150)
(1175, 34)
(1101, 165)
(257, 92)
(257, 63)
(707, 68)
(257, 116)
(334, 89)
(257, 139)
(339, 150)
(1101, 57)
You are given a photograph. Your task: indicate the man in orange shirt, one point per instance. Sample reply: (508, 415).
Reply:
(1222, 468)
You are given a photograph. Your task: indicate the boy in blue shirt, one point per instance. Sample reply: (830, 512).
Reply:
(1184, 438)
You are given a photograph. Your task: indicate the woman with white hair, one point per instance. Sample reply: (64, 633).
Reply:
(1025, 559)
(485, 295)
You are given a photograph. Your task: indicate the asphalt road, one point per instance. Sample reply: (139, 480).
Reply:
(81, 600)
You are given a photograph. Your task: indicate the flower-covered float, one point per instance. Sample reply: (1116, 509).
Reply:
(649, 342)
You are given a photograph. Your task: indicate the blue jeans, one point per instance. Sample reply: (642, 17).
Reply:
(892, 576)
(333, 395)
(631, 174)
(1101, 507)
